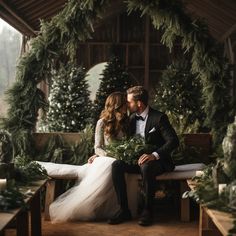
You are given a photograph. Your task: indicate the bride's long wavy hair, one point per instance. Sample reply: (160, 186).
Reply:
(114, 115)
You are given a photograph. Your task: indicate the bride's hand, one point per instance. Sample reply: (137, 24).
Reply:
(91, 159)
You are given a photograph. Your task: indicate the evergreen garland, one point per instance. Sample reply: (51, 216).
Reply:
(58, 38)
(207, 60)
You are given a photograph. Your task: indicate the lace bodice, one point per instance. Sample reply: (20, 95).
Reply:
(101, 140)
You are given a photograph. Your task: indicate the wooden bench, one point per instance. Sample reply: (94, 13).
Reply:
(181, 173)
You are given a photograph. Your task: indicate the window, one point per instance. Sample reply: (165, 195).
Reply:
(93, 76)
(10, 44)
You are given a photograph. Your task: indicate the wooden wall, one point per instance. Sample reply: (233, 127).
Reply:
(138, 45)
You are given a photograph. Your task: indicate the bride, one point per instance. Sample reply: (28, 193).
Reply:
(93, 197)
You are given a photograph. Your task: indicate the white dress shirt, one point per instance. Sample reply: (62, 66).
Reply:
(141, 124)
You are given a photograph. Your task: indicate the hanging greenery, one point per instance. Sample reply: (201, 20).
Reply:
(207, 60)
(59, 39)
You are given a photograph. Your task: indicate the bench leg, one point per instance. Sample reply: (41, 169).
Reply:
(35, 209)
(184, 202)
(50, 196)
(22, 224)
(206, 226)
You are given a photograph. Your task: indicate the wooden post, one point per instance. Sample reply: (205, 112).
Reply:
(146, 50)
(118, 29)
(127, 55)
(35, 209)
(89, 56)
(185, 202)
(50, 196)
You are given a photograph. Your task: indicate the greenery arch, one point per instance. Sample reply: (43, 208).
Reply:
(75, 22)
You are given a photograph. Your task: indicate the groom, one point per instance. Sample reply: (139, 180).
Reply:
(154, 126)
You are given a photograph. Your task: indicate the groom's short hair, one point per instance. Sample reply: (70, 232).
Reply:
(139, 94)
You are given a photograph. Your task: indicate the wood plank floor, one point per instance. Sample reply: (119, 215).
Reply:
(172, 228)
(161, 227)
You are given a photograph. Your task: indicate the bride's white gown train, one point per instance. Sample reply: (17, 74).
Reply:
(93, 197)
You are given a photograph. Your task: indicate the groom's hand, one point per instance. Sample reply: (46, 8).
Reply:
(91, 159)
(146, 158)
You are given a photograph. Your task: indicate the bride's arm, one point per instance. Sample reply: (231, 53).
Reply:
(99, 139)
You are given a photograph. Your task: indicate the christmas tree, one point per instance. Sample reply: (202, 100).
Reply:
(114, 78)
(179, 95)
(69, 103)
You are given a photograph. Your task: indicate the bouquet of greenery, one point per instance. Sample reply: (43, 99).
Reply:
(129, 150)
(27, 170)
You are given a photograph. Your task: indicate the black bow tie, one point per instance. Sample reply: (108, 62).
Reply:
(139, 118)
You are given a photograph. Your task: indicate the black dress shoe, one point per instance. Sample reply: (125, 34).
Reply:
(120, 217)
(146, 218)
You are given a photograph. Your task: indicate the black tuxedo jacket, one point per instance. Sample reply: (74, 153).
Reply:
(159, 132)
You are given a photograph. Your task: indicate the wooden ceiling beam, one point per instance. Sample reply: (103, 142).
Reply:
(231, 30)
(16, 16)
(5, 15)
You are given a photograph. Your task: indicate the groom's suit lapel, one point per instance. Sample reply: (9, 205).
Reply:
(148, 123)
(132, 125)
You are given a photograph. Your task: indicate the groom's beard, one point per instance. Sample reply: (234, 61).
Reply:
(129, 113)
(132, 110)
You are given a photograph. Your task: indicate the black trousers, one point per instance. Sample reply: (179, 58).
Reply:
(148, 170)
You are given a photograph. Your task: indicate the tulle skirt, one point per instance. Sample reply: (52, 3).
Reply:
(93, 196)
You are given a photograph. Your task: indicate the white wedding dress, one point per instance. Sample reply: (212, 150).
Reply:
(93, 197)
